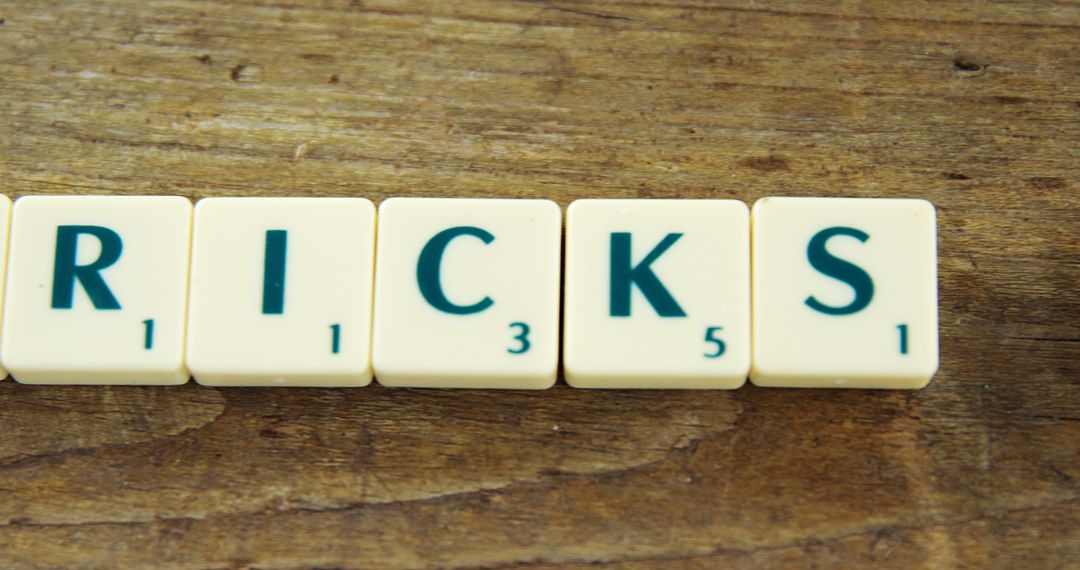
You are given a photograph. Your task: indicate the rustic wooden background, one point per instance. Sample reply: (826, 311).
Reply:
(974, 105)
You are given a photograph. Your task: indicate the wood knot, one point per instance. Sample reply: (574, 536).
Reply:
(968, 65)
(246, 73)
(769, 163)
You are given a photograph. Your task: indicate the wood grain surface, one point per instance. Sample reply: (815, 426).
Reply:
(973, 105)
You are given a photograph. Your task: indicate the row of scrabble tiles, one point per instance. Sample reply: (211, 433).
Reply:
(802, 292)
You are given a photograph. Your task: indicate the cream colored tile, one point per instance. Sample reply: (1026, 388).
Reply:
(98, 290)
(5, 228)
(845, 293)
(467, 293)
(281, 292)
(657, 294)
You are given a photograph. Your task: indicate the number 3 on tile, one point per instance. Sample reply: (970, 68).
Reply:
(710, 336)
(522, 338)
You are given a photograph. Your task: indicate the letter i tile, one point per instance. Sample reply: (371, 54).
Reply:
(281, 292)
(98, 293)
(657, 294)
(845, 293)
(467, 293)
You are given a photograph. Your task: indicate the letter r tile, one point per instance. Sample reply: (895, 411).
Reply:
(467, 293)
(99, 290)
(657, 294)
(845, 293)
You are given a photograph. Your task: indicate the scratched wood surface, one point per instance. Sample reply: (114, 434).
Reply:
(974, 105)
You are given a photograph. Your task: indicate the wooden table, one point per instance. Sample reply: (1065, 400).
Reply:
(973, 105)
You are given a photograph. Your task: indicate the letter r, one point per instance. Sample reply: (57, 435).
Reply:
(66, 271)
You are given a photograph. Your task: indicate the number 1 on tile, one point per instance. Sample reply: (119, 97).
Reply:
(148, 339)
(335, 338)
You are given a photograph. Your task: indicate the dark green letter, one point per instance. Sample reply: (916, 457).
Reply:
(624, 277)
(430, 264)
(65, 272)
(841, 270)
(277, 241)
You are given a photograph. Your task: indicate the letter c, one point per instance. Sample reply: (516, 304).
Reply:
(429, 266)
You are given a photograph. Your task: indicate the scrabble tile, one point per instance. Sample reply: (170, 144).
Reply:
(657, 294)
(281, 292)
(98, 290)
(467, 293)
(845, 293)
(5, 225)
